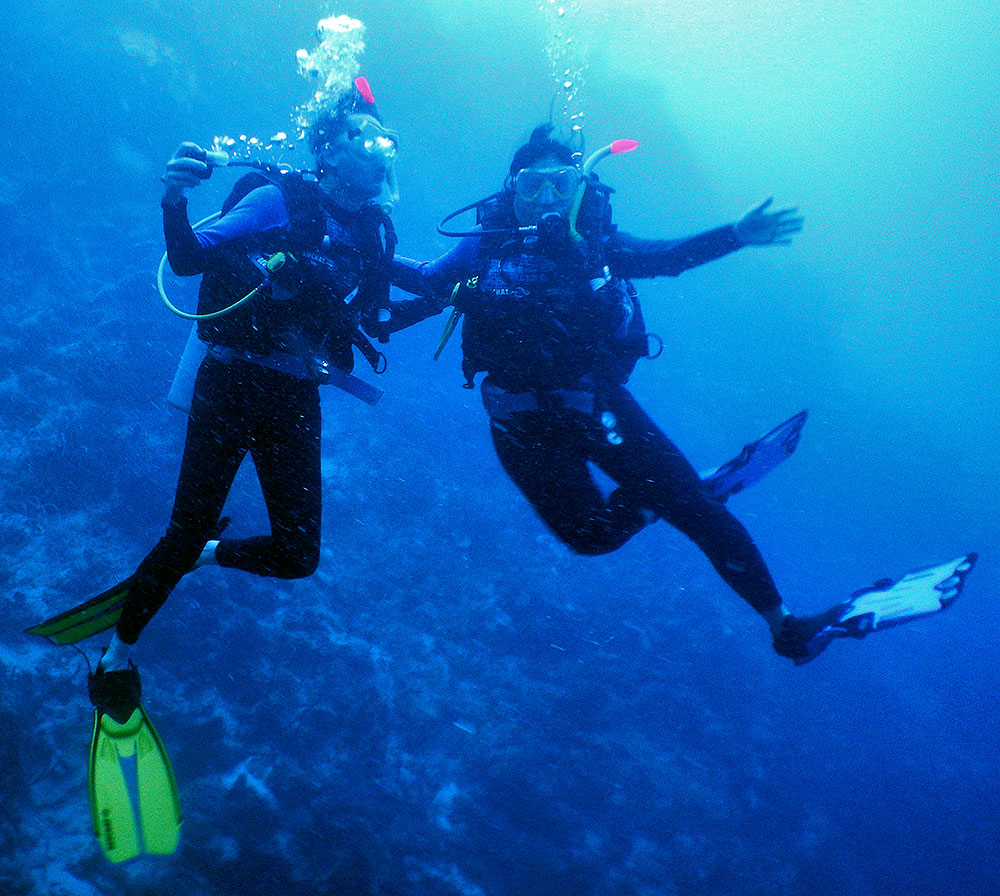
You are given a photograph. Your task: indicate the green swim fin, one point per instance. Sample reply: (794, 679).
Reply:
(103, 611)
(133, 793)
(89, 618)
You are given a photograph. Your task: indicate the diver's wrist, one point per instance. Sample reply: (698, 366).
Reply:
(173, 200)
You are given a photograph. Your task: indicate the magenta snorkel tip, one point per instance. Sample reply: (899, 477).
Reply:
(366, 92)
(623, 145)
(616, 147)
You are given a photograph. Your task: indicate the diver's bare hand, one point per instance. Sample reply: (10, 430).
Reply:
(188, 168)
(760, 227)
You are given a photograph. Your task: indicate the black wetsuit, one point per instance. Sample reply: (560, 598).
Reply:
(257, 391)
(552, 346)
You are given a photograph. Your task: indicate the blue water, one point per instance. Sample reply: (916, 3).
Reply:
(454, 704)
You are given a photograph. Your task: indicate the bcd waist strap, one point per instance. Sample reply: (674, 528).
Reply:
(502, 405)
(315, 370)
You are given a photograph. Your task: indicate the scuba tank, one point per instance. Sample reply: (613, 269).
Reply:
(181, 391)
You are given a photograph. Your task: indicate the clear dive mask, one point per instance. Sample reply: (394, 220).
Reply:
(529, 182)
(375, 139)
(367, 135)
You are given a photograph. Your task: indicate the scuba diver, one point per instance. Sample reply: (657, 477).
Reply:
(293, 270)
(544, 283)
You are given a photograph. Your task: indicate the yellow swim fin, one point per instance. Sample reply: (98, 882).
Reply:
(90, 618)
(133, 793)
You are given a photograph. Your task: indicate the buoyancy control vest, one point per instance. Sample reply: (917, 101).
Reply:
(334, 280)
(544, 312)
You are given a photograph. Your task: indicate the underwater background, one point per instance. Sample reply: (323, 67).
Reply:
(454, 704)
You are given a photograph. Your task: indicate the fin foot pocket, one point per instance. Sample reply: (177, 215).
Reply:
(116, 694)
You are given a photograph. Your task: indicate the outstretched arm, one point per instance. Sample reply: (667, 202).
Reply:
(633, 257)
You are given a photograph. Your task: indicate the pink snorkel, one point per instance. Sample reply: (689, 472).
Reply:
(365, 90)
(616, 147)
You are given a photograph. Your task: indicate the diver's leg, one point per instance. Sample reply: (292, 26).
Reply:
(653, 473)
(216, 443)
(546, 456)
(286, 453)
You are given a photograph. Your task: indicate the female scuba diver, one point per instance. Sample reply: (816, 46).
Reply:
(321, 242)
(296, 270)
(552, 318)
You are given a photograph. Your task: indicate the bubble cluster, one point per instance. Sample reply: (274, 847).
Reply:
(567, 59)
(246, 148)
(332, 66)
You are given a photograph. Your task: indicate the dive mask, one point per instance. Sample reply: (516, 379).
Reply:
(372, 138)
(529, 182)
(375, 138)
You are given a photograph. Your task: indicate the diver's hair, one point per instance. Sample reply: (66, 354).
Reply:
(331, 121)
(542, 145)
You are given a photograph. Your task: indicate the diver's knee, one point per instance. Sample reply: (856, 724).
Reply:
(592, 544)
(301, 564)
